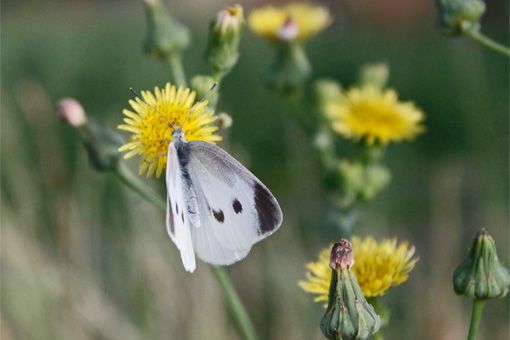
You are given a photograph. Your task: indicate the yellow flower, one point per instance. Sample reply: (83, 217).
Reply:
(309, 20)
(151, 125)
(376, 116)
(377, 267)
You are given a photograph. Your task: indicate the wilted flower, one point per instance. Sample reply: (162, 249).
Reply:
(374, 116)
(377, 267)
(151, 125)
(297, 20)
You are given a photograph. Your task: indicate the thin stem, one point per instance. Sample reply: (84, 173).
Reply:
(234, 303)
(174, 60)
(476, 35)
(378, 336)
(132, 181)
(476, 316)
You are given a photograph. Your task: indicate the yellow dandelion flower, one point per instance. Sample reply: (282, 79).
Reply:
(151, 125)
(377, 267)
(309, 20)
(375, 116)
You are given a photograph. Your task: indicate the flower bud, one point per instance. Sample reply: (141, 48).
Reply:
(70, 111)
(348, 315)
(482, 276)
(455, 16)
(290, 69)
(165, 35)
(224, 35)
(101, 145)
(224, 120)
(326, 91)
(206, 87)
(375, 75)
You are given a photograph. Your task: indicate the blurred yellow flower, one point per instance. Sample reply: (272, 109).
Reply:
(151, 125)
(376, 116)
(270, 21)
(377, 267)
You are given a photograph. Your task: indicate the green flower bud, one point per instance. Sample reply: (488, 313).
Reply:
(456, 16)
(348, 315)
(326, 91)
(291, 67)
(375, 75)
(165, 35)
(482, 276)
(206, 87)
(224, 35)
(376, 178)
(101, 145)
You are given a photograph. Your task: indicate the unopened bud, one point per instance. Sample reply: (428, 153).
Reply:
(224, 36)
(165, 35)
(482, 276)
(224, 120)
(70, 111)
(290, 70)
(101, 145)
(348, 315)
(289, 30)
(456, 16)
(206, 88)
(375, 75)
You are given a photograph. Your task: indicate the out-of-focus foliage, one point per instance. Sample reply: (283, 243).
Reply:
(84, 258)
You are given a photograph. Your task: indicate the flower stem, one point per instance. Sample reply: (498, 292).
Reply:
(234, 303)
(174, 60)
(132, 181)
(476, 316)
(476, 35)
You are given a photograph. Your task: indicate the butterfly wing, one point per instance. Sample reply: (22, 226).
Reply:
(181, 208)
(236, 210)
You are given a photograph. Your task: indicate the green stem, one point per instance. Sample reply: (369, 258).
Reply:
(234, 303)
(476, 316)
(132, 181)
(476, 35)
(174, 60)
(378, 336)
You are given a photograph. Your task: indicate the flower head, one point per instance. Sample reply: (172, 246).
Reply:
(377, 267)
(150, 123)
(274, 23)
(373, 115)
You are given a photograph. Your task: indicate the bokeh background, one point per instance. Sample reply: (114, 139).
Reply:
(84, 258)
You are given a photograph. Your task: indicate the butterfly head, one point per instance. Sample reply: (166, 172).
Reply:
(178, 134)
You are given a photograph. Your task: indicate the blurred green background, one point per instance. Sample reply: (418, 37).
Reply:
(84, 258)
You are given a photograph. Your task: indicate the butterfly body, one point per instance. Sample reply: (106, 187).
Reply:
(216, 208)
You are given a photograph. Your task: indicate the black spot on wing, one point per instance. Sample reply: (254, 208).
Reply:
(267, 210)
(182, 217)
(176, 208)
(170, 216)
(237, 206)
(218, 215)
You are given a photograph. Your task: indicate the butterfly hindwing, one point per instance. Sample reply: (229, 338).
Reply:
(236, 210)
(180, 208)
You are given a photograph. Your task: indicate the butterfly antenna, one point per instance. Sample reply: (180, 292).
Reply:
(137, 95)
(206, 95)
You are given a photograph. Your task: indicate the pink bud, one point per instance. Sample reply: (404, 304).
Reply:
(341, 255)
(71, 112)
(289, 30)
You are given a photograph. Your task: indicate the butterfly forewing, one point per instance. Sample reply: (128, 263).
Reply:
(236, 210)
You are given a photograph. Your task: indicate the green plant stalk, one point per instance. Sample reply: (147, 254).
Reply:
(479, 37)
(476, 316)
(234, 303)
(174, 60)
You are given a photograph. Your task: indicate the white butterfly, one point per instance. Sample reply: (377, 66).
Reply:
(216, 207)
